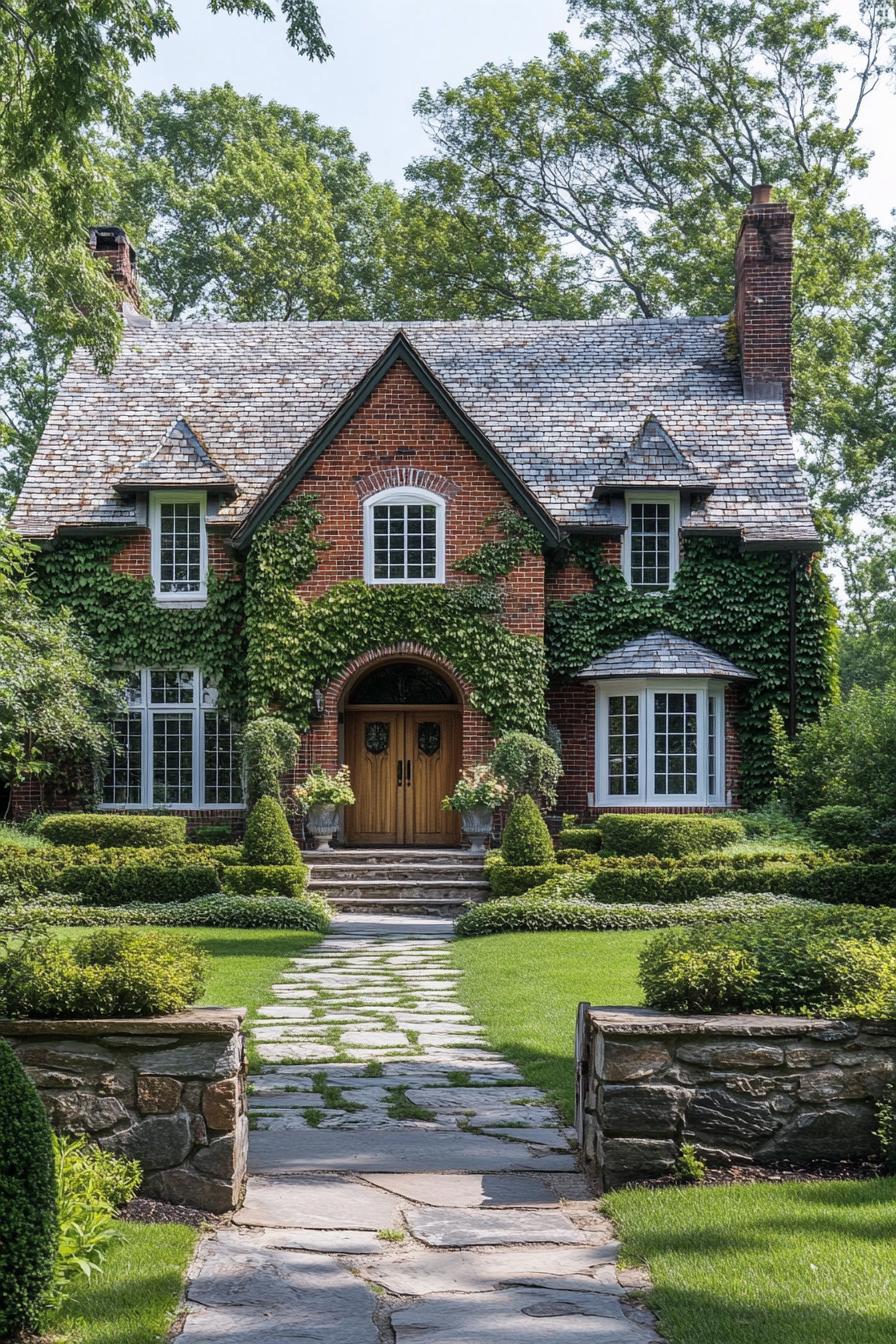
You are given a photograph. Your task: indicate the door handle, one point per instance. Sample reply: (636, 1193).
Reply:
(407, 772)
(400, 779)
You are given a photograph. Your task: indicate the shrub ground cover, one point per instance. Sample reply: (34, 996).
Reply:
(789, 1263)
(136, 1297)
(525, 989)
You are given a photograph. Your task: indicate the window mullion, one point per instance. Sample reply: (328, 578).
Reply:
(648, 748)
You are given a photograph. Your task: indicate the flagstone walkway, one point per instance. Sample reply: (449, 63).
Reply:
(406, 1183)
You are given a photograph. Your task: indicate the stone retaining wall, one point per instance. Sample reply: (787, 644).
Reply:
(170, 1091)
(742, 1090)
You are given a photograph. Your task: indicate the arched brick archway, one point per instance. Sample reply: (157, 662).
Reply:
(323, 744)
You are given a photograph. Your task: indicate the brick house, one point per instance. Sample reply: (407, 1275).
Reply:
(626, 441)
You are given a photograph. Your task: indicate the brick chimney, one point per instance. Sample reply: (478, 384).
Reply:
(763, 266)
(111, 243)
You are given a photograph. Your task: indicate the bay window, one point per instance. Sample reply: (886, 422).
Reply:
(173, 748)
(660, 742)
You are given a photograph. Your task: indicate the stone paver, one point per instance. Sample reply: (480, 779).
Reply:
(393, 1150)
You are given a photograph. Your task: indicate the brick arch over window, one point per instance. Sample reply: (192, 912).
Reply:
(322, 744)
(408, 478)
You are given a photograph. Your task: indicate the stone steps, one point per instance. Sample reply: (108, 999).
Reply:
(436, 881)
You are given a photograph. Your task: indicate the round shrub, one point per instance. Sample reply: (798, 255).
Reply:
(112, 829)
(28, 1218)
(667, 836)
(527, 764)
(268, 837)
(526, 840)
(113, 973)
(840, 827)
(838, 963)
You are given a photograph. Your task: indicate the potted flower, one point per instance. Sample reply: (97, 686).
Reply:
(476, 795)
(319, 796)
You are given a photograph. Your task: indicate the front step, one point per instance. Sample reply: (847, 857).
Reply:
(441, 881)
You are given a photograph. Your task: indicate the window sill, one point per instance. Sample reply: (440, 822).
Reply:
(187, 600)
(171, 807)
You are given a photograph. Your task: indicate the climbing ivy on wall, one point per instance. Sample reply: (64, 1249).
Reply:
(736, 603)
(495, 559)
(296, 645)
(127, 629)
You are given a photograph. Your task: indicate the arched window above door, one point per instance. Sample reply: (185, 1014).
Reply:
(402, 684)
(404, 537)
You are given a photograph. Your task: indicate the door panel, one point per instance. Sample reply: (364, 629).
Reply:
(403, 763)
(374, 751)
(430, 748)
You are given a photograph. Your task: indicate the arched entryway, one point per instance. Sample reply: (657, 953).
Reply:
(403, 724)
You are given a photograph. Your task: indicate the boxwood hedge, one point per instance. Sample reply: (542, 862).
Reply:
(666, 835)
(114, 829)
(550, 914)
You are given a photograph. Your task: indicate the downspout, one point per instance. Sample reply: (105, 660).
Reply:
(791, 653)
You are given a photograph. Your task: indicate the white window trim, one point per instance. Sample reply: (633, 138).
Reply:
(157, 498)
(670, 497)
(644, 688)
(147, 711)
(403, 495)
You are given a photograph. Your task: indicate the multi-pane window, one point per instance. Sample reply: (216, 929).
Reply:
(675, 761)
(651, 543)
(659, 742)
(179, 559)
(622, 745)
(173, 747)
(404, 538)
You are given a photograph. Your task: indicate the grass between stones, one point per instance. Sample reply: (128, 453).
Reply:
(400, 1107)
(793, 1263)
(525, 988)
(136, 1297)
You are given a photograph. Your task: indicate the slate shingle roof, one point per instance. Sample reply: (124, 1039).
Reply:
(181, 460)
(652, 458)
(662, 654)
(559, 400)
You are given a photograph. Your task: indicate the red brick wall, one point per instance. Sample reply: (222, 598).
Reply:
(572, 578)
(571, 708)
(399, 436)
(133, 558)
(764, 273)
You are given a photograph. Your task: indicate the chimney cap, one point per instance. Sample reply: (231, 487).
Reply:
(761, 193)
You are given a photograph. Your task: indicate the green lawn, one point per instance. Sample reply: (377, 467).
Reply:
(525, 988)
(136, 1297)
(811, 1263)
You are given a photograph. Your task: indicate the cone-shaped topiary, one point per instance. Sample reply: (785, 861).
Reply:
(268, 837)
(28, 1224)
(526, 839)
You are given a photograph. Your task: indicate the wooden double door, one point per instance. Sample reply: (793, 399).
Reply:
(403, 763)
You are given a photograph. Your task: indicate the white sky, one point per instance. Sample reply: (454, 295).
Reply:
(387, 50)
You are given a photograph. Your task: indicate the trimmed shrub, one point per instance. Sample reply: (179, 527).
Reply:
(545, 914)
(849, 884)
(527, 764)
(588, 838)
(211, 835)
(268, 837)
(114, 829)
(672, 880)
(526, 840)
(28, 1212)
(287, 879)
(840, 827)
(98, 885)
(835, 963)
(112, 973)
(667, 836)
(270, 747)
(263, 910)
(506, 880)
(26, 872)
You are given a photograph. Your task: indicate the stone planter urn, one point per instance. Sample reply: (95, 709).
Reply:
(476, 824)
(322, 823)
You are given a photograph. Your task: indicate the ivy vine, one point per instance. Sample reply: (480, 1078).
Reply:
(126, 627)
(732, 601)
(497, 558)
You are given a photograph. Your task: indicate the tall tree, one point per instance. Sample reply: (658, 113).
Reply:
(637, 149)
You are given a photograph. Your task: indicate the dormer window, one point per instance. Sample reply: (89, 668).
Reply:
(404, 537)
(650, 548)
(179, 546)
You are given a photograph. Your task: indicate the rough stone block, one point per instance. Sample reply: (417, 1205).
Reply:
(731, 1054)
(626, 1160)
(158, 1141)
(714, 1111)
(158, 1096)
(219, 1104)
(830, 1133)
(641, 1111)
(83, 1112)
(179, 1185)
(625, 1061)
(208, 1059)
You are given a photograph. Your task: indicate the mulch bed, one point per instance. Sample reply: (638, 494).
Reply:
(856, 1170)
(157, 1211)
